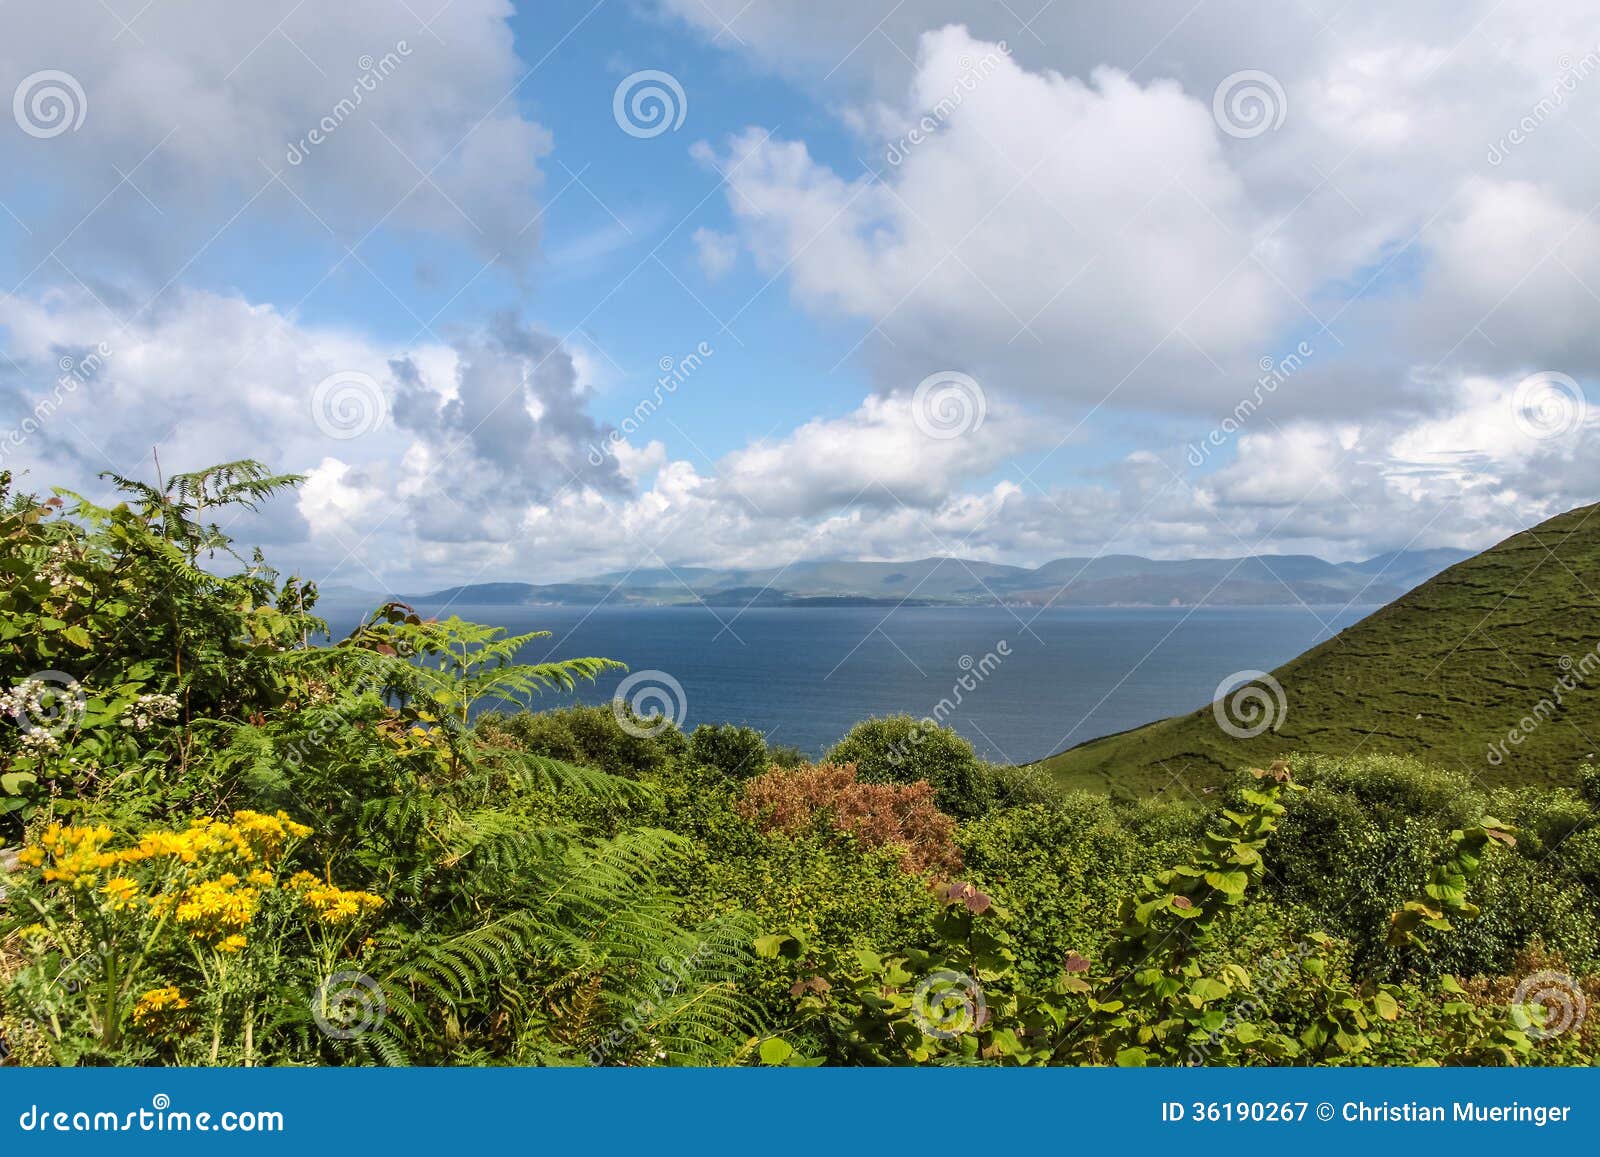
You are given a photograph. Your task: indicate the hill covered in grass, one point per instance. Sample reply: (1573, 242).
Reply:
(1490, 669)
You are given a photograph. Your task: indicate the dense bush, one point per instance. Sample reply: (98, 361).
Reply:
(879, 815)
(588, 736)
(245, 842)
(738, 752)
(901, 749)
(155, 698)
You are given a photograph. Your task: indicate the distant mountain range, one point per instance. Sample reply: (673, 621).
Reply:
(1490, 669)
(1109, 580)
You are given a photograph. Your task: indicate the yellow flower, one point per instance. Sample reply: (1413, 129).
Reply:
(264, 836)
(121, 891)
(215, 908)
(31, 857)
(332, 905)
(158, 1000)
(231, 943)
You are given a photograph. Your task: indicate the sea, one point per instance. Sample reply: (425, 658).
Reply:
(1019, 683)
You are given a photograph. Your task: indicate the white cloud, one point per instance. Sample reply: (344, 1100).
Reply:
(367, 115)
(1108, 237)
(480, 470)
(716, 252)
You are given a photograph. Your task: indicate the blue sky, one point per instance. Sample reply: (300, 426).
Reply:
(1347, 252)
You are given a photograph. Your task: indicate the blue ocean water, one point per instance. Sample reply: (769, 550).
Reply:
(1039, 681)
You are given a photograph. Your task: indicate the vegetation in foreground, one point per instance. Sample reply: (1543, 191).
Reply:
(1492, 667)
(237, 847)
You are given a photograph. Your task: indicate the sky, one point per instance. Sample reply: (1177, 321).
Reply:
(536, 291)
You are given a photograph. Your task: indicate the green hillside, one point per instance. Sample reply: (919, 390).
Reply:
(1490, 668)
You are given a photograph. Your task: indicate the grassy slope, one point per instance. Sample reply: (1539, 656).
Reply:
(1442, 673)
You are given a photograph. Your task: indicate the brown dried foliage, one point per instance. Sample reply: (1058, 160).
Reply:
(877, 814)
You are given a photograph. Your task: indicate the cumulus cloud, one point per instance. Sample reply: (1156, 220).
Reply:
(1066, 238)
(472, 461)
(368, 117)
(716, 252)
(1073, 221)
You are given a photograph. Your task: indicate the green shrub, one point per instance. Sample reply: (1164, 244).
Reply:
(587, 736)
(737, 752)
(902, 749)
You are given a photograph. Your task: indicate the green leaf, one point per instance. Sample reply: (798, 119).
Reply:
(770, 947)
(1229, 883)
(775, 1051)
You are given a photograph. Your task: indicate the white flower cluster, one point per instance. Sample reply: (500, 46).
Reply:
(147, 710)
(38, 741)
(42, 708)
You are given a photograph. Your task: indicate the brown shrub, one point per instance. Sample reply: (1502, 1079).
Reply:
(878, 814)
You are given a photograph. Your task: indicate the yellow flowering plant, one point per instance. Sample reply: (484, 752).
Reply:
(141, 942)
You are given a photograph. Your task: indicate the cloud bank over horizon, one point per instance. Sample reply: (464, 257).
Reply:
(1292, 281)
